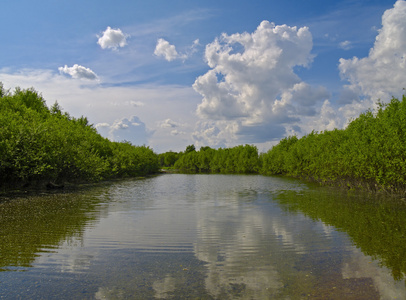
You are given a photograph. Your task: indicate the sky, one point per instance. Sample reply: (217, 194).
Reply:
(168, 74)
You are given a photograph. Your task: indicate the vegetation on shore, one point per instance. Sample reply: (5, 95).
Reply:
(240, 159)
(369, 153)
(41, 144)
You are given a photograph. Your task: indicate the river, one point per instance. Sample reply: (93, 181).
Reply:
(178, 236)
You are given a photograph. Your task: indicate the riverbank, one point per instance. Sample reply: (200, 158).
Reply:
(369, 154)
(41, 145)
(41, 188)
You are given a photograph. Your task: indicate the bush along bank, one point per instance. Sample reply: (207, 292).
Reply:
(370, 153)
(40, 144)
(236, 160)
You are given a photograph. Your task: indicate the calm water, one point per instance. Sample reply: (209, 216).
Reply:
(203, 237)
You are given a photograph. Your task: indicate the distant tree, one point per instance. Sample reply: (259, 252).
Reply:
(205, 148)
(3, 92)
(168, 159)
(190, 148)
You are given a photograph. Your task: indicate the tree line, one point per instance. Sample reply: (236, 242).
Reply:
(39, 144)
(239, 159)
(370, 153)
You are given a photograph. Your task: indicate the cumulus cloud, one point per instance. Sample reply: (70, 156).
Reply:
(252, 84)
(214, 133)
(78, 71)
(112, 38)
(327, 118)
(382, 73)
(165, 49)
(252, 94)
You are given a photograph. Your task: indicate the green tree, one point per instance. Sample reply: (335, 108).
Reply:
(190, 148)
(42, 144)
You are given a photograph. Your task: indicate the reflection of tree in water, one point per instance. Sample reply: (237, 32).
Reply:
(246, 246)
(37, 224)
(376, 224)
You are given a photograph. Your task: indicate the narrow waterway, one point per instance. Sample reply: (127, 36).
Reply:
(203, 237)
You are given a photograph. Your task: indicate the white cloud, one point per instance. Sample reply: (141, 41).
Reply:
(134, 103)
(194, 48)
(302, 98)
(346, 45)
(103, 129)
(326, 118)
(251, 90)
(112, 38)
(214, 133)
(252, 94)
(171, 127)
(177, 132)
(79, 72)
(102, 125)
(124, 129)
(168, 123)
(196, 43)
(382, 73)
(168, 51)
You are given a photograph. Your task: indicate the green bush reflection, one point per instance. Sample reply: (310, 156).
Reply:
(31, 225)
(376, 225)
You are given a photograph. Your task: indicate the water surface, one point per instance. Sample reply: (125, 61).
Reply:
(206, 237)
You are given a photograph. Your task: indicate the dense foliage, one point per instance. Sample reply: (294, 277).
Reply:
(168, 159)
(370, 152)
(38, 143)
(240, 159)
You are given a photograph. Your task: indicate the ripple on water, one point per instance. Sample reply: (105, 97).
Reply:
(192, 236)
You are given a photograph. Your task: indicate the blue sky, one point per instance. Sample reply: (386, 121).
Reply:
(219, 73)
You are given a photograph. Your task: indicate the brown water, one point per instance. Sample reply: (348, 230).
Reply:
(203, 237)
